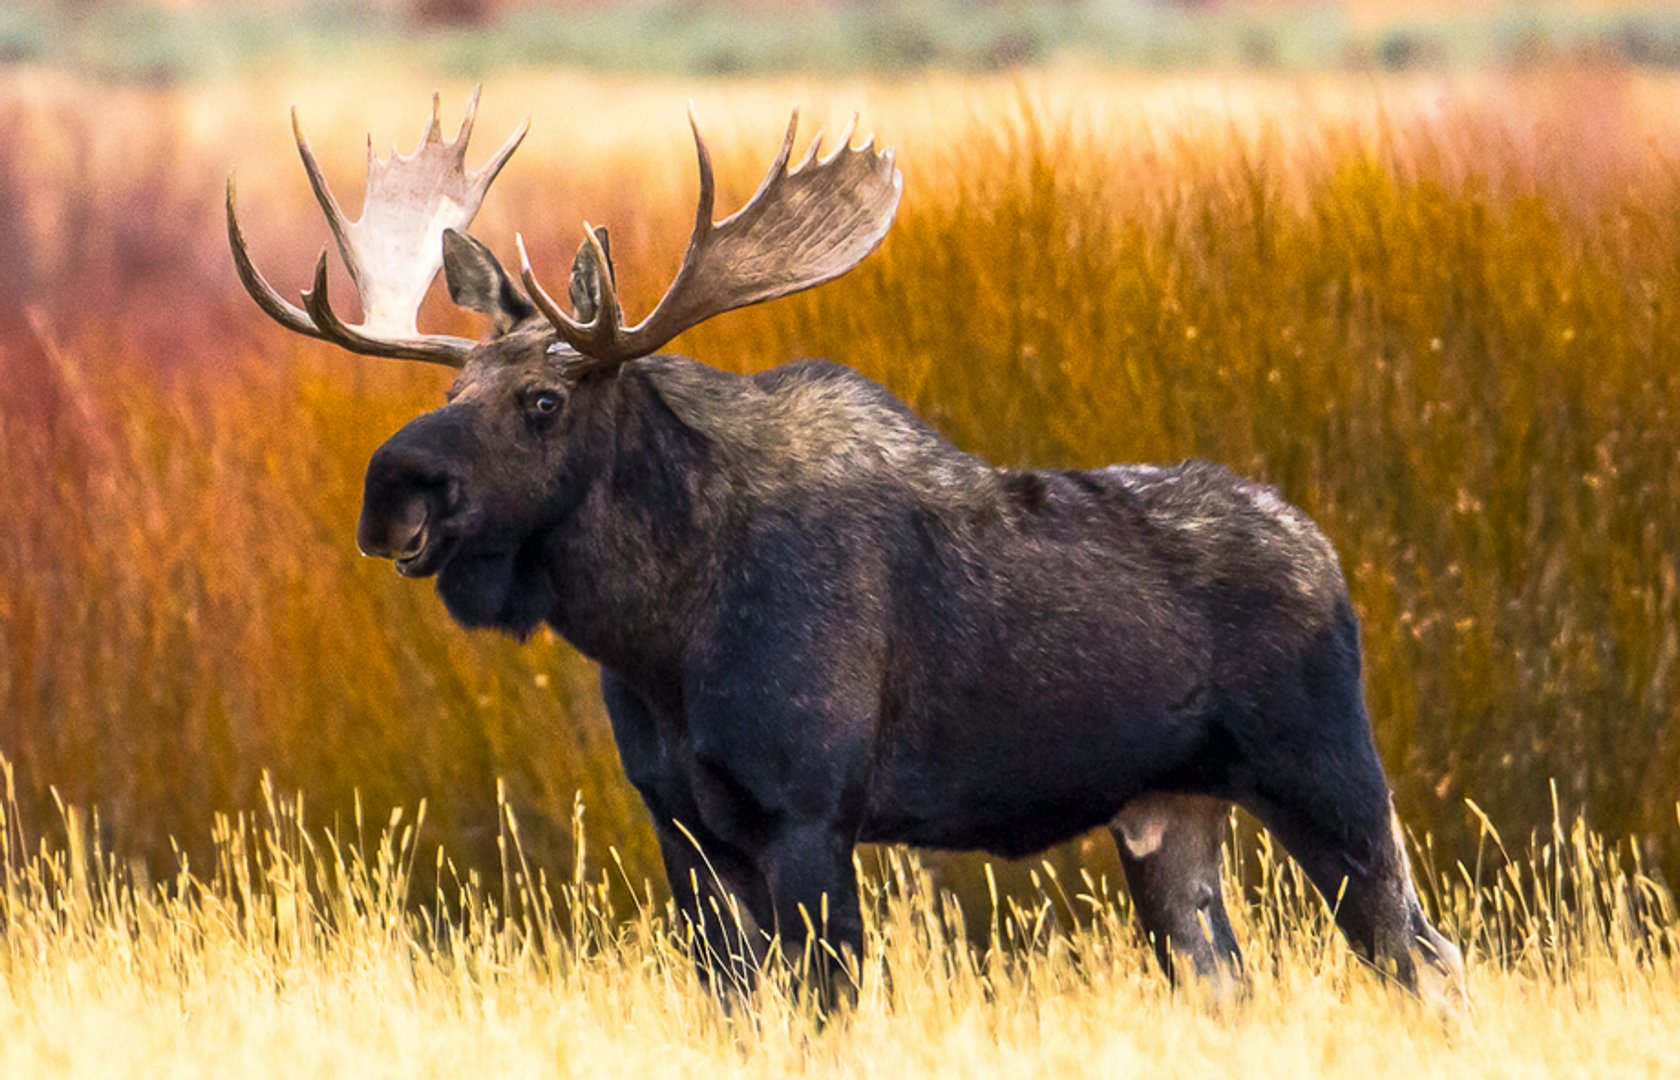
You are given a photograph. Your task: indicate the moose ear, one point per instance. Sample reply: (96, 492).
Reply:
(586, 277)
(478, 282)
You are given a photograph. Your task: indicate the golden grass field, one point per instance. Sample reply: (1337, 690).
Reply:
(304, 952)
(1440, 316)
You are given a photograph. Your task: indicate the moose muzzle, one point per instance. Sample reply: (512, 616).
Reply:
(412, 495)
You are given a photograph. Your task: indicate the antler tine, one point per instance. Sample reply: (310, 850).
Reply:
(845, 142)
(321, 314)
(465, 131)
(434, 133)
(487, 173)
(811, 153)
(336, 220)
(276, 306)
(772, 177)
(539, 295)
(707, 197)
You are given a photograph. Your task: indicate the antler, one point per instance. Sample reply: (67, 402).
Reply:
(803, 227)
(393, 251)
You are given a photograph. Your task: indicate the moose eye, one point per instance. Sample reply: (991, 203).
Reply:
(545, 402)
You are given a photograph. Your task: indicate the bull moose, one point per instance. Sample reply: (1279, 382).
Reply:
(819, 623)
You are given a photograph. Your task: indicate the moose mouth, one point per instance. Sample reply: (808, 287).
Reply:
(428, 552)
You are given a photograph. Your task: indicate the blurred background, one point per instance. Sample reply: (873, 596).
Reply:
(1416, 264)
(164, 41)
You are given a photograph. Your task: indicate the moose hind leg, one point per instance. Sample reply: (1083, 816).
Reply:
(1314, 779)
(1338, 822)
(1170, 849)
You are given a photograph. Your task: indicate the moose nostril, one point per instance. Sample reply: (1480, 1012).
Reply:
(394, 523)
(406, 530)
(415, 543)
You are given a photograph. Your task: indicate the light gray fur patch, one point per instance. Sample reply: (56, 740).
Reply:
(1143, 824)
(828, 430)
(1313, 562)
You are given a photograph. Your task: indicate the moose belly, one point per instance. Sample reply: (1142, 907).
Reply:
(1013, 778)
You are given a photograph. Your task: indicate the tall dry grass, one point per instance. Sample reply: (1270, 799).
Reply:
(1440, 320)
(361, 952)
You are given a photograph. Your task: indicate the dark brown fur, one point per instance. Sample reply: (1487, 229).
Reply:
(819, 623)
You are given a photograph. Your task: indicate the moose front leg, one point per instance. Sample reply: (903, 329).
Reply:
(814, 896)
(717, 887)
(781, 697)
(808, 892)
(724, 900)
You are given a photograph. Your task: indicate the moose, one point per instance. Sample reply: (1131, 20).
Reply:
(819, 623)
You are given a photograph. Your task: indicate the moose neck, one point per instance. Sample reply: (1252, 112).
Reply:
(630, 565)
